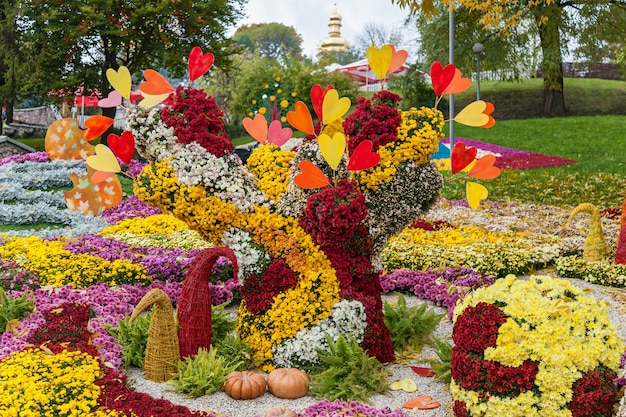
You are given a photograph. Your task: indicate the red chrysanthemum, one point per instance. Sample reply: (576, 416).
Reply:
(259, 291)
(594, 394)
(477, 328)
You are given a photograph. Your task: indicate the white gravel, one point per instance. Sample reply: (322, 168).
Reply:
(222, 404)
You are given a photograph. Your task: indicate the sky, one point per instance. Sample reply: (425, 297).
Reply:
(310, 18)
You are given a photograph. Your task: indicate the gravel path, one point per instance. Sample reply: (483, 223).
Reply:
(222, 404)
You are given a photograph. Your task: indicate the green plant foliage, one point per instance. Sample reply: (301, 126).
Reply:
(14, 308)
(441, 364)
(133, 339)
(410, 327)
(350, 373)
(221, 323)
(202, 374)
(235, 351)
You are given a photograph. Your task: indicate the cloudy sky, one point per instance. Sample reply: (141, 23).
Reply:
(310, 18)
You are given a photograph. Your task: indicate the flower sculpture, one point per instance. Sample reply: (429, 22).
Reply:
(307, 226)
(536, 347)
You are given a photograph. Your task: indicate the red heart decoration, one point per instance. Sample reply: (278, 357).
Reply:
(317, 98)
(198, 63)
(311, 176)
(300, 118)
(462, 157)
(97, 125)
(363, 157)
(484, 169)
(441, 77)
(155, 83)
(135, 96)
(277, 134)
(123, 147)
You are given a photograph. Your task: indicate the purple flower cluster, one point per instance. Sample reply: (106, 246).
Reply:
(338, 408)
(444, 288)
(131, 207)
(29, 157)
(12, 277)
(135, 167)
(621, 381)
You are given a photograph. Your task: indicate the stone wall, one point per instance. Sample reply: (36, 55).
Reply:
(36, 116)
(10, 147)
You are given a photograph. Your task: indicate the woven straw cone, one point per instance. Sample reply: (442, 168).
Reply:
(194, 304)
(594, 249)
(162, 350)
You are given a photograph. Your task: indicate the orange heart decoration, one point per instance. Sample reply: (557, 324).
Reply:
(363, 158)
(333, 107)
(422, 402)
(300, 118)
(311, 176)
(441, 77)
(103, 160)
(123, 147)
(257, 127)
(489, 108)
(458, 83)
(96, 126)
(65, 140)
(277, 134)
(484, 168)
(398, 58)
(379, 59)
(155, 84)
(99, 176)
(317, 98)
(198, 63)
(462, 157)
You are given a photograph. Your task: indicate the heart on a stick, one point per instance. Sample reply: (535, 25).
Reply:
(122, 146)
(311, 176)
(461, 157)
(363, 158)
(199, 63)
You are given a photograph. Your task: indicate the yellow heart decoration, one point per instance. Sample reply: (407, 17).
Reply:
(103, 160)
(120, 80)
(332, 149)
(475, 194)
(407, 385)
(472, 114)
(334, 107)
(150, 100)
(379, 59)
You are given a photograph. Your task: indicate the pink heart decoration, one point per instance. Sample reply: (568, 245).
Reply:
(198, 63)
(441, 77)
(363, 158)
(123, 147)
(114, 99)
(277, 134)
(317, 98)
(257, 128)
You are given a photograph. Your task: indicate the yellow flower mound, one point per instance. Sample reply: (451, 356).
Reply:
(195, 206)
(553, 323)
(418, 138)
(35, 383)
(270, 165)
(297, 308)
(157, 224)
(57, 266)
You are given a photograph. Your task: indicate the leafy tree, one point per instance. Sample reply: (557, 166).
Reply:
(325, 58)
(554, 20)
(9, 57)
(73, 42)
(270, 40)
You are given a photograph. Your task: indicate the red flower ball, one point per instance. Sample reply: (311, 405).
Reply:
(477, 328)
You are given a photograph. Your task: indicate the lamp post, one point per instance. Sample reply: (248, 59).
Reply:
(478, 50)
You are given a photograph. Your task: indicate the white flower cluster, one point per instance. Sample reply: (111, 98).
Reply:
(348, 318)
(251, 258)
(154, 139)
(225, 177)
(37, 206)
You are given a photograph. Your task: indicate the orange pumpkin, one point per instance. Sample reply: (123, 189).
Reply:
(280, 412)
(288, 383)
(244, 385)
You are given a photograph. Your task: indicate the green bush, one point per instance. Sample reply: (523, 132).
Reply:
(201, 374)
(133, 338)
(410, 326)
(441, 364)
(14, 308)
(236, 351)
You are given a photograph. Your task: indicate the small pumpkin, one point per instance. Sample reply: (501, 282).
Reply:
(244, 385)
(280, 412)
(288, 383)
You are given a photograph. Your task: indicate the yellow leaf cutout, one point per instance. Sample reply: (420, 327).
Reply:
(475, 194)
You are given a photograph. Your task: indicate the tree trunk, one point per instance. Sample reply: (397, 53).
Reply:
(552, 61)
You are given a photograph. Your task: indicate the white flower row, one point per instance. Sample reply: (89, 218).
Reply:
(348, 318)
(251, 259)
(154, 139)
